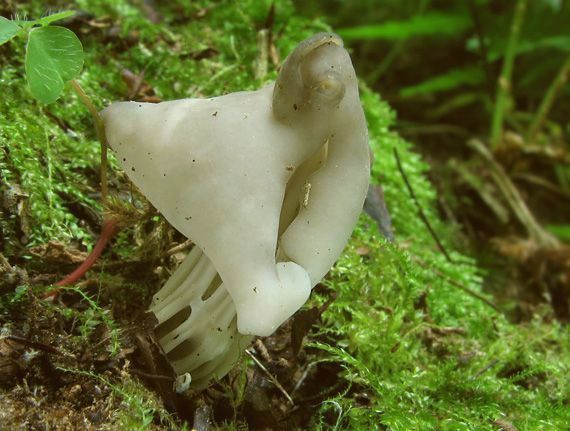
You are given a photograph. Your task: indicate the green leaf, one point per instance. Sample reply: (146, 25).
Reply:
(8, 29)
(558, 43)
(46, 20)
(447, 81)
(54, 55)
(561, 43)
(553, 4)
(429, 24)
(454, 103)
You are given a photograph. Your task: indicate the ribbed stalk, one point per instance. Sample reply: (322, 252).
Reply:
(197, 321)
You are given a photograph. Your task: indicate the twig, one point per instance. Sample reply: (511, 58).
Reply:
(486, 368)
(303, 377)
(455, 283)
(504, 83)
(180, 247)
(419, 208)
(151, 376)
(271, 377)
(100, 129)
(553, 91)
(36, 345)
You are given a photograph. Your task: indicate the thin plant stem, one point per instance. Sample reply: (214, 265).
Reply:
(483, 51)
(110, 224)
(387, 62)
(110, 227)
(421, 213)
(553, 91)
(271, 377)
(504, 83)
(394, 52)
(455, 283)
(100, 130)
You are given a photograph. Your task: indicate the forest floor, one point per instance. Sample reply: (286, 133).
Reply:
(400, 335)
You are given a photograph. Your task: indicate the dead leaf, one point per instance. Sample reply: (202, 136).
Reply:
(56, 252)
(520, 249)
(138, 88)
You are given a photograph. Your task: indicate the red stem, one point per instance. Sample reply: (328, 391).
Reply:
(109, 228)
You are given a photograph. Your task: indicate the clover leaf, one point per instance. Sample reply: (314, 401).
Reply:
(54, 55)
(8, 29)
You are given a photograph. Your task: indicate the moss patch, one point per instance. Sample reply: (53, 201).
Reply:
(408, 349)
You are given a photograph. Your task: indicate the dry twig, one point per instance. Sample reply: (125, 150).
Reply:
(418, 206)
(271, 377)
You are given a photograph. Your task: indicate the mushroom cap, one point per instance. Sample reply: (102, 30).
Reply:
(218, 169)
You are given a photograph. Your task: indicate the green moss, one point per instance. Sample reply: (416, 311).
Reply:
(389, 326)
(450, 362)
(51, 151)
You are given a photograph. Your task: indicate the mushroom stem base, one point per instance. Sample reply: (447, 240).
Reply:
(197, 321)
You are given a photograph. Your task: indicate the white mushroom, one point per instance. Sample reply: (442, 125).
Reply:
(268, 184)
